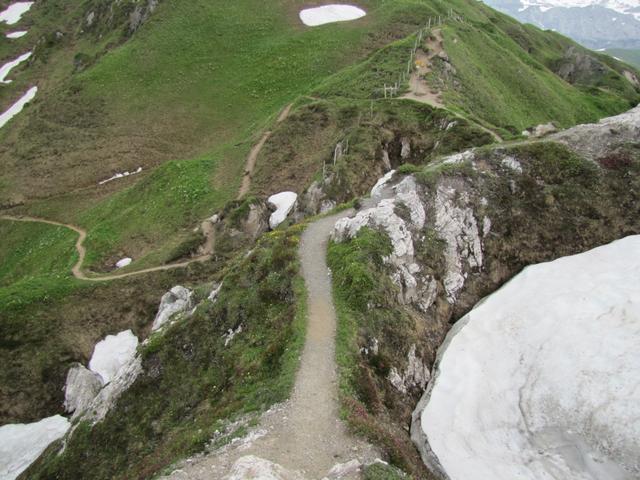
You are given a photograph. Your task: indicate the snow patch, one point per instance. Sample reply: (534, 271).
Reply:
(125, 262)
(7, 67)
(284, 203)
(312, 17)
(17, 107)
(18, 34)
(13, 13)
(113, 353)
(120, 175)
(540, 380)
(22, 444)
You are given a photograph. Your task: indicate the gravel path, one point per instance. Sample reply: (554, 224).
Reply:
(305, 434)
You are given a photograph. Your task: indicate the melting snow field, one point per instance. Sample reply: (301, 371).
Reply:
(17, 107)
(312, 17)
(120, 175)
(7, 67)
(18, 34)
(112, 353)
(21, 444)
(124, 262)
(284, 203)
(542, 379)
(13, 13)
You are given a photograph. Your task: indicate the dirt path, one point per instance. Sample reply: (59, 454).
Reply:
(419, 88)
(305, 434)
(255, 151)
(206, 251)
(82, 252)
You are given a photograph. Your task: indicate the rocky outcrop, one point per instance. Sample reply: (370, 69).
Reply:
(177, 300)
(255, 468)
(81, 388)
(595, 140)
(387, 215)
(107, 397)
(415, 375)
(467, 224)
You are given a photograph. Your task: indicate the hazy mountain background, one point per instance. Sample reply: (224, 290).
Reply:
(611, 25)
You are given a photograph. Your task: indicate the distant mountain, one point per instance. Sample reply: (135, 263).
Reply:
(630, 56)
(594, 23)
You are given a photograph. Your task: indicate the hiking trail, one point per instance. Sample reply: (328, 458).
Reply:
(305, 434)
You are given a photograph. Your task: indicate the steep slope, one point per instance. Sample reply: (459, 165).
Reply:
(444, 237)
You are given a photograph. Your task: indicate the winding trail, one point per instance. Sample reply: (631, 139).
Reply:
(206, 250)
(255, 151)
(82, 252)
(421, 91)
(306, 434)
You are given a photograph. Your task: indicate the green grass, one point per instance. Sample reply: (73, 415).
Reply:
(363, 294)
(521, 92)
(35, 250)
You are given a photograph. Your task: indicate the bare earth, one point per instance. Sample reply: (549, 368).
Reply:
(420, 90)
(255, 151)
(305, 434)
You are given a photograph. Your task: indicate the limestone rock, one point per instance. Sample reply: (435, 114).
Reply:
(104, 401)
(255, 468)
(177, 300)
(457, 226)
(81, 388)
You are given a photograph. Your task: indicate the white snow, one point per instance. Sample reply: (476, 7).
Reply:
(7, 67)
(540, 380)
(21, 444)
(312, 17)
(125, 262)
(112, 353)
(17, 107)
(14, 12)
(18, 34)
(120, 175)
(284, 203)
(620, 6)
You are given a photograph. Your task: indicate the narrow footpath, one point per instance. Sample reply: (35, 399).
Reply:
(77, 270)
(207, 249)
(305, 435)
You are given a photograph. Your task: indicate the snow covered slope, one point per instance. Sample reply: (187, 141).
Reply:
(594, 23)
(540, 380)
